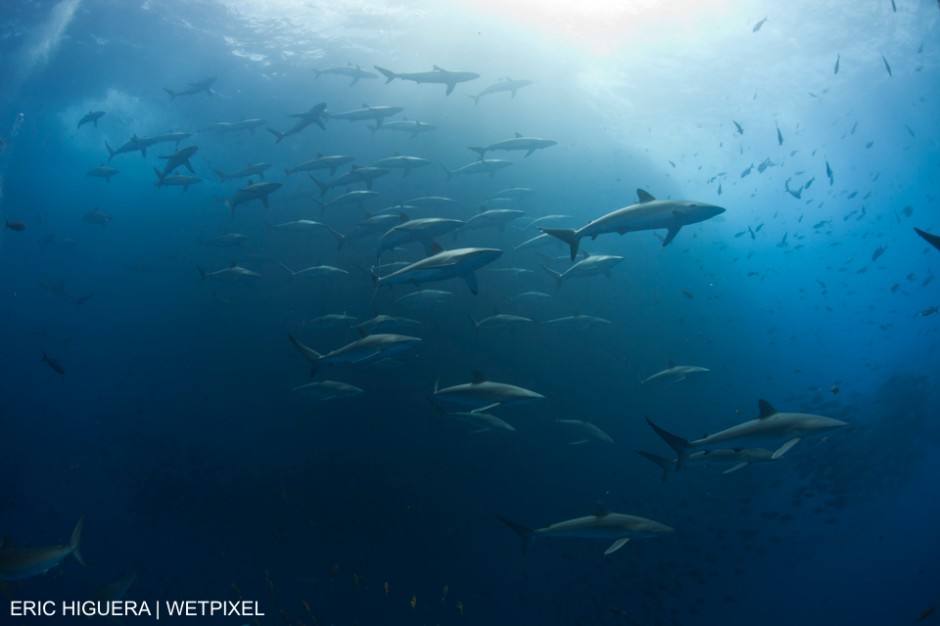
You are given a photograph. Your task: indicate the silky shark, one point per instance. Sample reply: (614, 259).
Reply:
(193, 88)
(315, 115)
(529, 144)
(354, 72)
(768, 426)
(603, 524)
(254, 191)
(442, 265)
(506, 84)
(437, 75)
(483, 394)
(648, 214)
(737, 458)
(254, 169)
(91, 116)
(26, 563)
(673, 374)
(365, 348)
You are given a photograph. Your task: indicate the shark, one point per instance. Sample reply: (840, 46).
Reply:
(315, 115)
(483, 394)
(423, 229)
(529, 144)
(442, 265)
(19, 564)
(193, 88)
(590, 265)
(102, 171)
(354, 72)
(175, 180)
(366, 348)
(769, 426)
(673, 374)
(324, 390)
(254, 191)
(231, 274)
(737, 458)
(436, 75)
(178, 159)
(253, 169)
(402, 162)
(483, 166)
(506, 84)
(329, 162)
(91, 116)
(375, 113)
(604, 524)
(648, 214)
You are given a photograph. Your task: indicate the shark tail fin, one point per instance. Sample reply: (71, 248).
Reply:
(527, 534)
(110, 150)
(202, 273)
(277, 134)
(667, 464)
(82, 300)
(567, 235)
(677, 443)
(160, 176)
(476, 99)
(311, 355)
(77, 539)
(557, 276)
(320, 184)
(388, 74)
(171, 92)
(479, 151)
(340, 238)
(220, 174)
(448, 171)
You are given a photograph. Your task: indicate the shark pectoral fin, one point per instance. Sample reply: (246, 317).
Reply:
(779, 452)
(616, 545)
(471, 280)
(670, 235)
(735, 468)
(484, 409)
(450, 88)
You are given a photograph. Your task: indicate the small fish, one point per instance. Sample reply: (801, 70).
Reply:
(878, 252)
(835, 70)
(738, 127)
(758, 25)
(829, 173)
(779, 137)
(56, 367)
(887, 67)
(17, 226)
(894, 7)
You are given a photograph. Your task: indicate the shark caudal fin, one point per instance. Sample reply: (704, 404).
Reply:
(668, 465)
(932, 239)
(311, 355)
(388, 74)
(172, 93)
(481, 152)
(567, 235)
(527, 534)
(320, 184)
(677, 443)
(110, 151)
(77, 539)
(277, 134)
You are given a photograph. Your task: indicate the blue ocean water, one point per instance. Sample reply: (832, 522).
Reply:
(173, 427)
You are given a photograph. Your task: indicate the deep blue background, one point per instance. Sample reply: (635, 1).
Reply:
(175, 430)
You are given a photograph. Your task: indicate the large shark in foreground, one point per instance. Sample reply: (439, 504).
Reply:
(768, 426)
(444, 264)
(602, 525)
(648, 214)
(26, 563)
(437, 75)
(484, 394)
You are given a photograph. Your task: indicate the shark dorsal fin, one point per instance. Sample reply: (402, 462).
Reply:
(438, 68)
(436, 248)
(362, 333)
(644, 195)
(600, 510)
(765, 409)
(232, 265)
(671, 363)
(478, 377)
(518, 135)
(403, 218)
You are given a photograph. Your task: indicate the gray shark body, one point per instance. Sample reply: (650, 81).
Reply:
(770, 426)
(446, 264)
(19, 564)
(437, 75)
(648, 214)
(602, 525)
